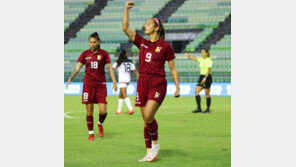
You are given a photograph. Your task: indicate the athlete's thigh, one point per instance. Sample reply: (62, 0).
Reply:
(207, 90)
(120, 95)
(151, 108)
(123, 92)
(90, 107)
(142, 111)
(198, 89)
(102, 108)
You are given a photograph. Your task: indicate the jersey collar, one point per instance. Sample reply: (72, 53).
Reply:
(157, 42)
(97, 52)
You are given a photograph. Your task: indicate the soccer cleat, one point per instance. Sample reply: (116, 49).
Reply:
(197, 110)
(144, 159)
(101, 130)
(131, 112)
(118, 113)
(207, 111)
(91, 137)
(153, 154)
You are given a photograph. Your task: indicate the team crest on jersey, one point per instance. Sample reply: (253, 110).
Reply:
(156, 95)
(158, 49)
(99, 57)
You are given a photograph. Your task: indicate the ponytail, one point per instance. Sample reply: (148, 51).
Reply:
(121, 58)
(160, 31)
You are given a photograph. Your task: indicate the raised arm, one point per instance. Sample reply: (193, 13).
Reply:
(112, 76)
(175, 77)
(190, 57)
(125, 21)
(76, 70)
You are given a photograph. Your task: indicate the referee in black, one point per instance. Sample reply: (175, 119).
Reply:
(205, 79)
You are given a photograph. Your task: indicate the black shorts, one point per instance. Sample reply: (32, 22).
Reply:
(208, 82)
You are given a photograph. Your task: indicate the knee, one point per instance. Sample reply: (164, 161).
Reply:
(207, 94)
(89, 113)
(196, 93)
(147, 118)
(103, 111)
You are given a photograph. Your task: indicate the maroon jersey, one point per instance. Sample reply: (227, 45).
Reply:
(94, 66)
(153, 55)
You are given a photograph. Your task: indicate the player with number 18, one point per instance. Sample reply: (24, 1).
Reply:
(94, 83)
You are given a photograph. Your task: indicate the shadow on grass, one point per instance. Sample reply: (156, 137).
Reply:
(171, 153)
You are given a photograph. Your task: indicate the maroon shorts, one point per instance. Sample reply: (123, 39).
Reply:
(94, 94)
(150, 88)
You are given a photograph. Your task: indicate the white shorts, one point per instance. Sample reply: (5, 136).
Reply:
(122, 85)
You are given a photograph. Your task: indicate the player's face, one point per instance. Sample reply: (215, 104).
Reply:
(93, 43)
(204, 54)
(150, 27)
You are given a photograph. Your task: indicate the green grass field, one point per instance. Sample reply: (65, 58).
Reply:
(185, 139)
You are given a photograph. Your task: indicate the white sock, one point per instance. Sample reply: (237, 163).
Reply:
(91, 132)
(128, 103)
(120, 104)
(154, 146)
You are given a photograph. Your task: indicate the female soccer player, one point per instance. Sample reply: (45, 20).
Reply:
(151, 86)
(205, 79)
(94, 83)
(124, 66)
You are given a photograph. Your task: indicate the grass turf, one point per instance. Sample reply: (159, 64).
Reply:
(185, 139)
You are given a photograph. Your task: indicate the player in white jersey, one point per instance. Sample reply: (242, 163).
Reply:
(124, 67)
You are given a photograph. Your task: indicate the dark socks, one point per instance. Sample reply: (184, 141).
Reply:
(208, 102)
(90, 122)
(102, 117)
(153, 130)
(147, 137)
(197, 99)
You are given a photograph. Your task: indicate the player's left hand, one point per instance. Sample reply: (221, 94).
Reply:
(203, 81)
(114, 86)
(177, 93)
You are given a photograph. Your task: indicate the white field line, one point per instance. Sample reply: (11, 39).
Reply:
(66, 115)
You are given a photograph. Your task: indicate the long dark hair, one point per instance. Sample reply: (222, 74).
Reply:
(207, 51)
(121, 57)
(95, 35)
(160, 31)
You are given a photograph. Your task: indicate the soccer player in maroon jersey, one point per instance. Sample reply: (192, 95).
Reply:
(151, 86)
(94, 84)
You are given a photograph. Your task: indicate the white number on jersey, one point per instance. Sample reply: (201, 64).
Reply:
(85, 96)
(127, 67)
(137, 97)
(148, 57)
(94, 65)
